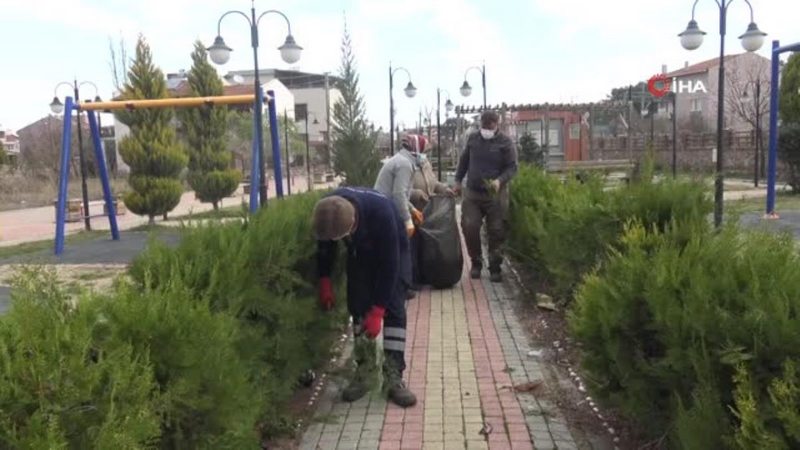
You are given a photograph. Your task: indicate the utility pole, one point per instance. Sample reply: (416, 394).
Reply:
(327, 119)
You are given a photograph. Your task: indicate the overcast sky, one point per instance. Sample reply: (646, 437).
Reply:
(535, 50)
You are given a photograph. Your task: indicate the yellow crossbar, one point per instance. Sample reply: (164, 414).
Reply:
(170, 102)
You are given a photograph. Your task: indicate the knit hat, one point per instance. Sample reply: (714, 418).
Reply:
(333, 218)
(415, 143)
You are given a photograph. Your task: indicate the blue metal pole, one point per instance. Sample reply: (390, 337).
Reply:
(255, 172)
(276, 144)
(101, 165)
(773, 131)
(66, 143)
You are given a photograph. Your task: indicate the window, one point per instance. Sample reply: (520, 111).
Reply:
(300, 111)
(697, 105)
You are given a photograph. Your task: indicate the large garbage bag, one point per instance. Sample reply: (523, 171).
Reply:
(440, 258)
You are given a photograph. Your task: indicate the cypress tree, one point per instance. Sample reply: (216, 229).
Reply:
(210, 172)
(152, 150)
(355, 156)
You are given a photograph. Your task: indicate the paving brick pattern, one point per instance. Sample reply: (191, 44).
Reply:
(466, 352)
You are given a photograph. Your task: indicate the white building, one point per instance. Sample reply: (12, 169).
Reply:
(312, 94)
(10, 142)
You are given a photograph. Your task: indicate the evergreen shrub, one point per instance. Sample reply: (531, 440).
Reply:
(264, 274)
(562, 230)
(697, 334)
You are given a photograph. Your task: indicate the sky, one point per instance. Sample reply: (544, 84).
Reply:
(555, 51)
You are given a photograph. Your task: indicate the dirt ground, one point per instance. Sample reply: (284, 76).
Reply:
(97, 277)
(561, 355)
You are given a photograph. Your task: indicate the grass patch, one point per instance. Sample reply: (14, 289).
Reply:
(783, 202)
(37, 246)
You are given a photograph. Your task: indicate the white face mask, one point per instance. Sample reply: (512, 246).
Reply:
(422, 157)
(488, 134)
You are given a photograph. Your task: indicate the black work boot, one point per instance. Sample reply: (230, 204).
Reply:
(495, 273)
(477, 267)
(397, 391)
(355, 390)
(365, 371)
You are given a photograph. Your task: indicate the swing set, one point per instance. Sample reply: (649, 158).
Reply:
(257, 100)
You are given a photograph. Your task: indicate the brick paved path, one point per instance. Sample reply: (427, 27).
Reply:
(466, 351)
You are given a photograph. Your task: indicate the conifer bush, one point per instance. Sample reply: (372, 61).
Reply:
(209, 399)
(59, 388)
(692, 331)
(562, 230)
(264, 274)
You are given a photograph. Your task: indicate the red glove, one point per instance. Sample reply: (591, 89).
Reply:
(374, 321)
(326, 299)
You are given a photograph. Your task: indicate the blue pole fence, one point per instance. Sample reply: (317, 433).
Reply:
(773, 123)
(66, 144)
(100, 157)
(276, 143)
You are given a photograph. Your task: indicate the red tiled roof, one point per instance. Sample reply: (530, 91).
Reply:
(700, 67)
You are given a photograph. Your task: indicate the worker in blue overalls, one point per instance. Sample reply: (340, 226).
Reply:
(378, 277)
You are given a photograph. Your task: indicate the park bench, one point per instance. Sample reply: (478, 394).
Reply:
(75, 212)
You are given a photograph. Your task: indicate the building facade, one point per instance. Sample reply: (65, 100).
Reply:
(697, 87)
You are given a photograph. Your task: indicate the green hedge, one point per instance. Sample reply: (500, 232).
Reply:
(58, 388)
(202, 350)
(698, 337)
(562, 230)
(264, 274)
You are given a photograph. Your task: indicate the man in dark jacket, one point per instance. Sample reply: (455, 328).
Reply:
(377, 279)
(489, 161)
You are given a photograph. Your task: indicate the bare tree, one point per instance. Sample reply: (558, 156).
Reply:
(740, 98)
(119, 63)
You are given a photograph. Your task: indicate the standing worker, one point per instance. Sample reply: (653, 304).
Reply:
(489, 162)
(377, 247)
(425, 184)
(395, 180)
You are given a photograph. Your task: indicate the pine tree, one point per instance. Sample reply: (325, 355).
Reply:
(210, 173)
(355, 155)
(152, 150)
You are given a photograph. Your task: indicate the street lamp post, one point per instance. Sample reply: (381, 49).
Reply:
(752, 40)
(410, 91)
(310, 181)
(57, 108)
(674, 100)
(466, 89)
(448, 106)
(290, 53)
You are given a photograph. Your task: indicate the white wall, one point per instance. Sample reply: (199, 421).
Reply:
(284, 99)
(314, 98)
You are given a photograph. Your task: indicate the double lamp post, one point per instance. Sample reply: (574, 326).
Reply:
(752, 40)
(220, 53)
(411, 91)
